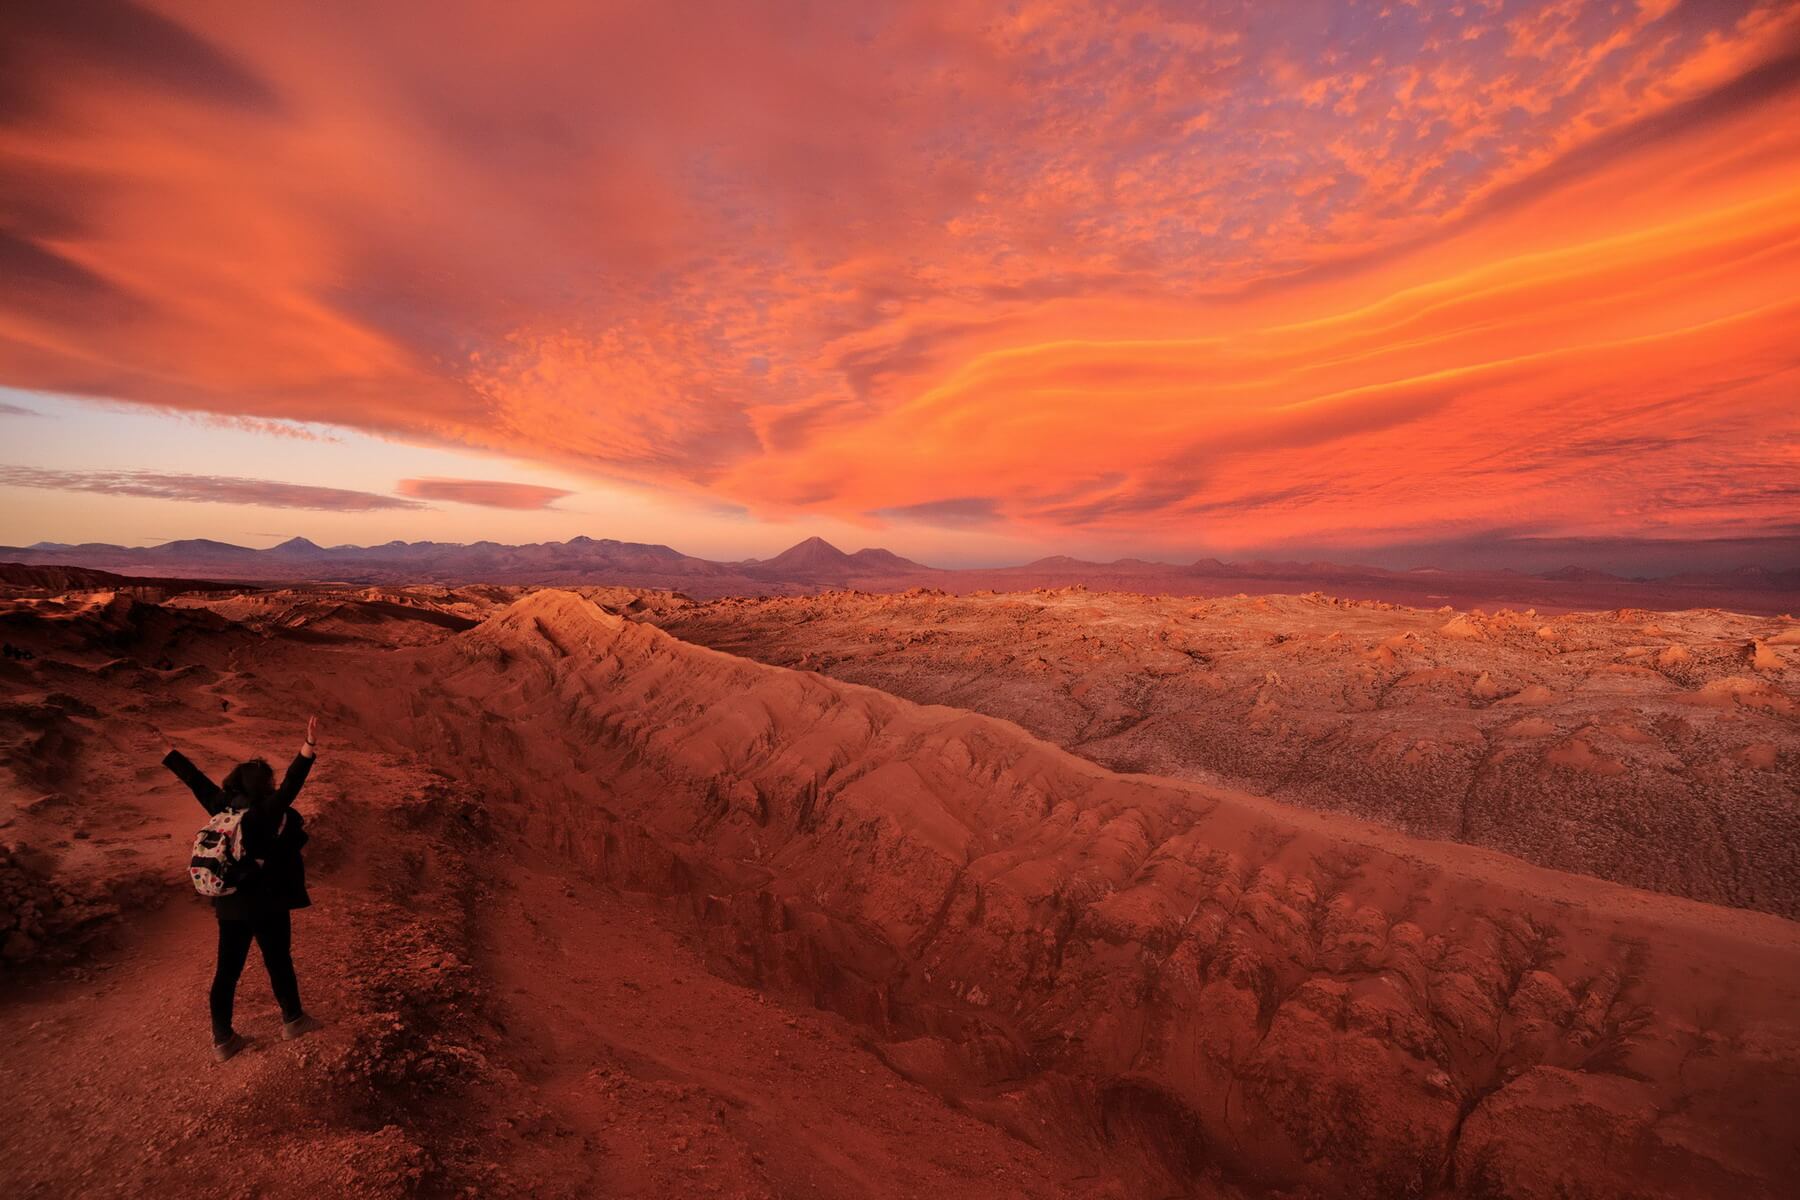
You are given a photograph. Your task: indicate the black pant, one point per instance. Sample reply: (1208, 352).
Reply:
(272, 930)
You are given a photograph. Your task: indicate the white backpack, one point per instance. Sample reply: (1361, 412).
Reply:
(218, 861)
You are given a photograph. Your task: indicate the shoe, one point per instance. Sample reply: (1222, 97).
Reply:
(300, 1026)
(230, 1046)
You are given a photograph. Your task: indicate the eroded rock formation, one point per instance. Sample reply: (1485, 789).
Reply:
(1188, 979)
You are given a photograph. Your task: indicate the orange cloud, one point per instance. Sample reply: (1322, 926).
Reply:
(1217, 275)
(489, 493)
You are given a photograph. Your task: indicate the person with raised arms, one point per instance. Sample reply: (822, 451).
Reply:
(248, 860)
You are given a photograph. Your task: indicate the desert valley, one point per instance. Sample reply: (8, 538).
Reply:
(1052, 892)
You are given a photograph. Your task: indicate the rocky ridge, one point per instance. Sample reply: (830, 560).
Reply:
(1222, 991)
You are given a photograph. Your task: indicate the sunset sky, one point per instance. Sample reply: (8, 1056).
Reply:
(1466, 283)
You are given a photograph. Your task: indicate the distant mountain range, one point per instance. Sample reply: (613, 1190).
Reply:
(815, 564)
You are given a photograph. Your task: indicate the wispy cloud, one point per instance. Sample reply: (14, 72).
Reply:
(266, 427)
(212, 489)
(489, 493)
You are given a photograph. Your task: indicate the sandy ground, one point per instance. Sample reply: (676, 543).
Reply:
(602, 912)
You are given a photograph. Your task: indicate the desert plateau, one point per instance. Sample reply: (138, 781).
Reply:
(1052, 893)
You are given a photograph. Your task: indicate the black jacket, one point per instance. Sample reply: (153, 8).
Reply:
(274, 836)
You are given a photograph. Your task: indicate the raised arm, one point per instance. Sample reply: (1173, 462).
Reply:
(204, 789)
(303, 761)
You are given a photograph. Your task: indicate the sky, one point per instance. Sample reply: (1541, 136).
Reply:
(1462, 283)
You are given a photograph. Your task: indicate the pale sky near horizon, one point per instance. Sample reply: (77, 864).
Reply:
(71, 434)
(1492, 282)
(74, 434)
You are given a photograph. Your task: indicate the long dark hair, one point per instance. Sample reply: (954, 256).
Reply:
(250, 785)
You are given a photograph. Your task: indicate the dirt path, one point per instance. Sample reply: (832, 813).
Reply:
(111, 1061)
(108, 1061)
(617, 1064)
(674, 1082)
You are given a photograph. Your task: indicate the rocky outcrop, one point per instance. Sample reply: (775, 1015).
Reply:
(1187, 980)
(1587, 742)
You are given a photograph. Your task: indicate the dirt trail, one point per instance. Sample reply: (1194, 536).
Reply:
(110, 1060)
(107, 1062)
